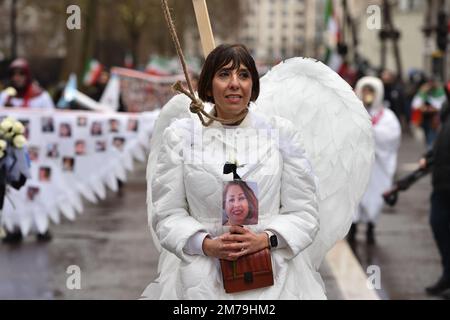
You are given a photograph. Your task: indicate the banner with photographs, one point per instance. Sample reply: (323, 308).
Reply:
(143, 92)
(73, 155)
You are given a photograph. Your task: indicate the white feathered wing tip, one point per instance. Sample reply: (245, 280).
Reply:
(176, 108)
(337, 136)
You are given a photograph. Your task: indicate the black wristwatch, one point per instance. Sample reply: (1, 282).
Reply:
(273, 240)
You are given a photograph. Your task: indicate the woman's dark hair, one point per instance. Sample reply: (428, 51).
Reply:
(249, 194)
(220, 57)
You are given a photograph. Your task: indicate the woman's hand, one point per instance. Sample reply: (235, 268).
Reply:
(217, 248)
(241, 241)
(423, 163)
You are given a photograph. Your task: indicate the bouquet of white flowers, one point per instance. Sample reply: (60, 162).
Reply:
(14, 160)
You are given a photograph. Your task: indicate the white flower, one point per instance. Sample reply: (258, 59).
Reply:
(18, 128)
(3, 145)
(11, 92)
(7, 124)
(8, 135)
(19, 141)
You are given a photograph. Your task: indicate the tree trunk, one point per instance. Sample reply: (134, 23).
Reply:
(88, 40)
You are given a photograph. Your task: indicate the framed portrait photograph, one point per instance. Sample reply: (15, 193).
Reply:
(80, 147)
(119, 142)
(32, 192)
(47, 125)
(45, 174)
(52, 150)
(26, 124)
(82, 121)
(100, 146)
(96, 128)
(240, 203)
(114, 125)
(133, 125)
(65, 130)
(33, 152)
(68, 163)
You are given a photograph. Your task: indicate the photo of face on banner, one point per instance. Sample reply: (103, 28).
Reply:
(32, 192)
(240, 203)
(100, 146)
(114, 125)
(47, 124)
(119, 142)
(45, 174)
(82, 121)
(80, 147)
(65, 130)
(33, 152)
(132, 125)
(68, 163)
(26, 124)
(52, 150)
(96, 128)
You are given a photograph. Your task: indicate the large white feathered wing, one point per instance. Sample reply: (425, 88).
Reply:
(337, 134)
(176, 108)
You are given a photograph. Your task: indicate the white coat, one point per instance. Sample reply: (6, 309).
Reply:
(187, 199)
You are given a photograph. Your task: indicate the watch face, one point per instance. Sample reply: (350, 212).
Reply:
(273, 241)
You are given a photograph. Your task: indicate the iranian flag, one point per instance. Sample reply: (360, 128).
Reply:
(333, 36)
(159, 66)
(92, 71)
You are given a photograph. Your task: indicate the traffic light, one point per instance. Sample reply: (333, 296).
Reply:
(442, 31)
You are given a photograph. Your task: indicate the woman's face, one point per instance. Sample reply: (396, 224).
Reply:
(231, 90)
(236, 205)
(19, 78)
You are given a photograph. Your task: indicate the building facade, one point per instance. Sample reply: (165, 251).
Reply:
(279, 29)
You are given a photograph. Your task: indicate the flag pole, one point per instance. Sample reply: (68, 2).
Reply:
(204, 26)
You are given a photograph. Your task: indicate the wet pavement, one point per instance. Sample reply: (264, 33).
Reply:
(112, 246)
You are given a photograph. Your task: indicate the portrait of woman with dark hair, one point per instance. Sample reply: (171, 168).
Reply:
(65, 130)
(47, 124)
(96, 128)
(240, 204)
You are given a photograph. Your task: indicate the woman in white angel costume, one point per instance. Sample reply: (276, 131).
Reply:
(387, 135)
(304, 138)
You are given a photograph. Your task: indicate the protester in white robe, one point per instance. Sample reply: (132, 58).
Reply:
(309, 179)
(387, 134)
(24, 92)
(187, 193)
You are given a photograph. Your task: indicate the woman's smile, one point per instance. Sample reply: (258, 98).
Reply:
(233, 98)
